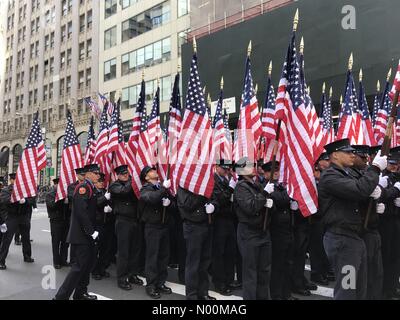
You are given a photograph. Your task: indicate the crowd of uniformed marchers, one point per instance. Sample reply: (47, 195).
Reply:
(249, 235)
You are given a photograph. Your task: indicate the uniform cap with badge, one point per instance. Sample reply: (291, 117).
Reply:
(144, 172)
(244, 167)
(342, 145)
(224, 164)
(121, 169)
(361, 150)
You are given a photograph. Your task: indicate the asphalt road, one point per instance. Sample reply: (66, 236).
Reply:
(39, 281)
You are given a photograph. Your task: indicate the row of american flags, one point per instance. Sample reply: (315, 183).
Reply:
(186, 151)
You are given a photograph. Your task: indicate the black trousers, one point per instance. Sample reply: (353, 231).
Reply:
(372, 240)
(390, 234)
(198, 258)
(129, 242)
(23, 222)
(105, 247)
(223, 252)
(348, 258)
(255, 247)
(301, 234)
(157, 254)
(238, 257)
(59, 232)
(318, 259)
(282, 246)
(79, 275)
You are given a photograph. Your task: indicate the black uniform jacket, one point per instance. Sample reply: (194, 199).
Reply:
(222, 194)
(124, 200)
(55, 210)
(150, 204)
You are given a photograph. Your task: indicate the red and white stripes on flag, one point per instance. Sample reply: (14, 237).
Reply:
(71, 159)
(366, 124)
(249, 127)
(91, 144)
(195, 164)
(222, 147)
(32, 161)
(295, 136)
(396, 83)
(101, 156)
(382, 116)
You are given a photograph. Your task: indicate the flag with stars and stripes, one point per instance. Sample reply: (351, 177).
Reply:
(295, 137)
(138, 150)
(154, 129)
(346, 127)
(93, 106)
(222, 148)
(366, 124)
(71, 159)
(100, 155)
(383, 115)
(32, 161)
(91, 144)
(375, 110)
(116, 144)
(396, 83)
(249, 128)
(195, 163)
(327, 121)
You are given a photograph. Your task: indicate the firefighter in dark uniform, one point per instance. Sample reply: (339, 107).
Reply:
(105, 223)
(196, 212)
(58, 226)
(339, 197)
(3, 226)
(82, 236)
(18, 216)
(389, 227)
(280, 221)
(320, 269)
(250, 202)
(223, 251)
(154, 205)
(127, 229)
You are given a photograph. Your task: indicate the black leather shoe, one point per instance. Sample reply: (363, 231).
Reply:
(97, 276)
(3, 266)
(29, 260)
(173, 266)
(235, 285)
(105, 274)
(164, 289)
(209, 298)
(86, 296)
(125, 285)
(135, 280)
(57, 266)
(319, 279)
(302, 292)
(153, 293)
(224, 290)
(66, 264)
(311, 286)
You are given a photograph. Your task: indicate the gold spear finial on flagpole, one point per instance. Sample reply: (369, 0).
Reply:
(341, 99)
(143, 74)
(302, 45)
(330, 93)
(158, 81)
(256, 88)
(209, 99)
(309, 90)
(204, 89)
(360, 76)
(270, 68)
(378, 86)
(323, 87)
(389, 75)
(249, 48)
(222, 83)
(296, 20)
(194, 44)
(179, 68)
(350, 66)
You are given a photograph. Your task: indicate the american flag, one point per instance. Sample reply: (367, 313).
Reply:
(396, 83)
(91, 144)
(173, 133)
(105, 101)
(347, 120)
(383, 115)
(195, 163)
(116, 144)
(366, 124)
(249, 128)
(222, 147)
(93, 106)
(327, 121)
(32, 161)
(269, 127)
(71, 159)
(295, 138)
(100, 156)
(138, 148)
(154, 121)
(375, 110)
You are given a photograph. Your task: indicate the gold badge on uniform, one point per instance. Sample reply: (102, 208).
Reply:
(82, 190)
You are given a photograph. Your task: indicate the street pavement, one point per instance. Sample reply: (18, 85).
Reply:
(39, 281)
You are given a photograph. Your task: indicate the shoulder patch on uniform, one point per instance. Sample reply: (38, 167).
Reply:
(82, 190)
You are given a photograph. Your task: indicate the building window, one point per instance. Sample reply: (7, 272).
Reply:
(61, 113)
(62, 60)
(51, 91)
(52, 40)
(69, 57)
(81, 79)
(46, 42)
(110, 38)
(51, 66)
(35, 96)
(110, 8)
(60, 147)
(110, 69)
(88, 77)
(45, 92)
(17, 154)
(88, 48)
(69, 30)
(68, 84)
(82, 23)
(62, 87)
(165, 94)
(81, 51)
(63, 33)
(89, 19)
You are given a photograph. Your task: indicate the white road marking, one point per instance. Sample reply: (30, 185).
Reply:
(99, 296)
(321, 291)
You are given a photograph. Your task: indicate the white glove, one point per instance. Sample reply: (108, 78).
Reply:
(166, 202)
(167, 184)
(35, 210)
(397, 202)
(397, 185)
(380, 161)
(383, 181)
(232, 197)
(209, 208)
(380, 208)
(66, 201)
(107, 209)
(22, 201)
(232, 183)
(269, 203)
(107, 195)
(269, 188)
(95, 235)
(3, 228)
(294, 205)
(376, 194)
